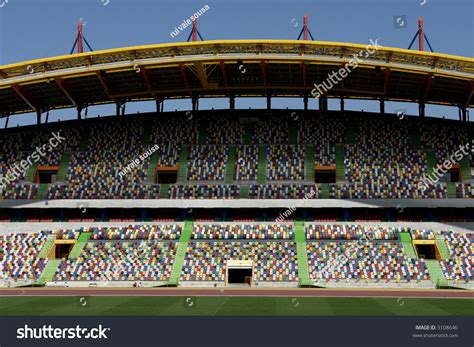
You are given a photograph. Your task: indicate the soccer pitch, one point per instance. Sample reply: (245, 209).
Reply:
(233, 306)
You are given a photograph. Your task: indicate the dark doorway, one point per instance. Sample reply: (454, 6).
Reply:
(240, 276)
(325, 176)
(426, 251)
(454, 175)
(47, 176)
(167, 177)
(62, 250)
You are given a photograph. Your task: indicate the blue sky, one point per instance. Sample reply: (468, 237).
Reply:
(31, 29)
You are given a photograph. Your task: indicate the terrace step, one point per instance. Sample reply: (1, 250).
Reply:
(262, 164)
(443, 249)
(47, 246)
(302, 255)
(465, 168)
(85, 136)
(49, 271)
(340, 165)
(79, 246)
(407, 243)
(63, 167)
(451, 190)
(309, 164)
(431, 161)
(30, 173)
(230, 166)
(325, 191)
(244, 192)
(164, 191)
(202, 135)
(351, 134)
(148, 127)
(43, 191)
(293, 134)
(248, 134)
(415, 138)
(183, 162)
(180, 253)
(151, 172)
(436, 273)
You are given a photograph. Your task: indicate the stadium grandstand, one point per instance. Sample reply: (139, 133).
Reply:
(258, 198)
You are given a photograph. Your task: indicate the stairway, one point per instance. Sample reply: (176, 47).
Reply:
(248, 134)
(164, 191)
(30, 173)
(151, 172)
(451, 190)
(262, 164)
(302, 255)
(325, 191)
(147, 128)
(406, 240)
(443, 249)
(465, 168)
(79, 246)
(436, 273)
(244, 192)
(350, 134)
(293, 134)
(340, 166)
(48, 273)
(181, 253)
(183, 163)
(202, 135)
(230, 166)
(42, 191)
(309, 164)
(47, 246)
(63, 167)
(414, 135)
(430, 161)
(84, 145)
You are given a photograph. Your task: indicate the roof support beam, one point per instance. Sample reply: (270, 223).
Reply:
(19, 90)
(103, 80)
(470, 93)
(185, 79)
(61, 85)
(428, 82)
(304, 72)
(223, 71)
(202, 74)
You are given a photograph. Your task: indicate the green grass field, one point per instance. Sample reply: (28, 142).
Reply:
(222, 306)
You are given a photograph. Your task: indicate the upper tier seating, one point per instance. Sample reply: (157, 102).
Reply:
(377, 165)
(207, 163)
(137, 232)
(351, 232)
